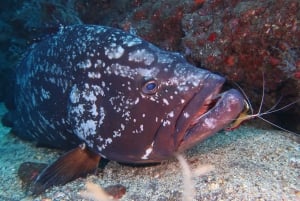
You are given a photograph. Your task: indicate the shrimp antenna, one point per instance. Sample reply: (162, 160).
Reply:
(245, 96)
(244, 116)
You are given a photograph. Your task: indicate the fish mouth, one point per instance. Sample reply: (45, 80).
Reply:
(209, 111)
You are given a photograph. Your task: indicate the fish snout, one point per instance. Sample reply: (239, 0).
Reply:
(217, 111)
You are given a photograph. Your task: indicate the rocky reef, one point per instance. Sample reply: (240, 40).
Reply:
(245, 41)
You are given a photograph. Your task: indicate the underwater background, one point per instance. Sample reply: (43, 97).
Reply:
(252, 43)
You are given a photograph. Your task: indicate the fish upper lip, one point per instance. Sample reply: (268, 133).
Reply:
(219, 108)
(210, 102)
(212, 87)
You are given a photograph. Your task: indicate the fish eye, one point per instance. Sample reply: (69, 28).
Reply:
(150, 87)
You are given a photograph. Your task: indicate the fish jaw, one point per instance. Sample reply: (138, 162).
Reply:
(228, 106)
(204, 113)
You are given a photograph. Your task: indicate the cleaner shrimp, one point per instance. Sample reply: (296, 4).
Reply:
(248, 112)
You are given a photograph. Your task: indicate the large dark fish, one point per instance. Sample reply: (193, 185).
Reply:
(118, 96)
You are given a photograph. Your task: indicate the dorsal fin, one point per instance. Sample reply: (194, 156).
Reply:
(76, 163)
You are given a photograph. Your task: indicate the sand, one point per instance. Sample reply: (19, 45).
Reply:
(249, 164)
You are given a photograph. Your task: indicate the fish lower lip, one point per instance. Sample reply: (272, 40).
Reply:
(211, 105)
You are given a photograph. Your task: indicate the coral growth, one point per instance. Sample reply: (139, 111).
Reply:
(42, 13)
(160, 22)
(243, 38)
(239, 39)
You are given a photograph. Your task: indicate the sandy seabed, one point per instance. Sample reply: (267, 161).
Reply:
(250, 164)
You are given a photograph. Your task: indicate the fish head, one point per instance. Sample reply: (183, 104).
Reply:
(140, 104)
(188, 107)
(165, 108)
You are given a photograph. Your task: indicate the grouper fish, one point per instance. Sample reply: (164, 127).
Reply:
(100, 92)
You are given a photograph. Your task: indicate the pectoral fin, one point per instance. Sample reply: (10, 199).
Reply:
(76, 163)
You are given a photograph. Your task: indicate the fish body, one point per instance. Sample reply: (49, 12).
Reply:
(124, 98)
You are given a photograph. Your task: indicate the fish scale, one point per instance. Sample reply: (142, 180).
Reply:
(118, 97)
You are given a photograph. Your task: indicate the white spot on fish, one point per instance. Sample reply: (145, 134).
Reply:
(164, 58)
(94, 75)
(97, 90)
(148, 152)
(74, 95)
(78, 110)
(89, 95)
(116, 134)
(171, 114)
(141, 56)
(94, 110)
(85, 64)
(122, 126)
(121, 70)
(99, 63)
(166, 122)
(186, 115)
(131, 41)
(104, 144)
(45, 94)
(148, 72)
(136, 100)
(210, 123)
(114, 52)
(102, 116)
(86, 129)
(142, 127)
(165, 101)
(140, 130)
